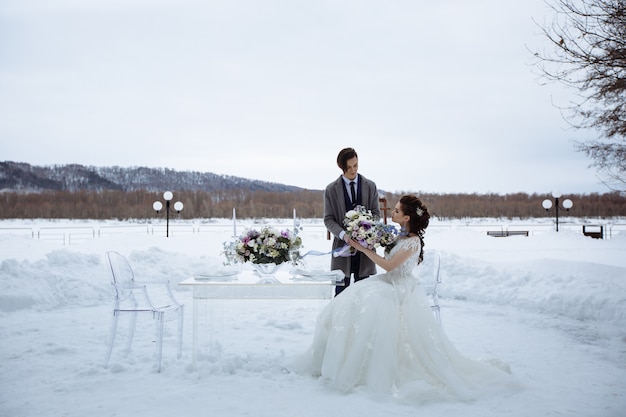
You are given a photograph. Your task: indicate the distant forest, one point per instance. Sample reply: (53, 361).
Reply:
(99, 193)
(122, 205)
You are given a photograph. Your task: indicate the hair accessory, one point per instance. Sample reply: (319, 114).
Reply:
(419, 211)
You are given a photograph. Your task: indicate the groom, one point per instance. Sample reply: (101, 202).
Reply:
(346, 192)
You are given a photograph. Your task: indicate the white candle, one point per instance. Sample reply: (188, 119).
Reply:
(234, 223)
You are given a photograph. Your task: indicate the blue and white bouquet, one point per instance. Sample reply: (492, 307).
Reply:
(370, 232)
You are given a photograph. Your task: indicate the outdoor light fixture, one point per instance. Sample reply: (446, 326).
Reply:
(157, 206)
(547, 204)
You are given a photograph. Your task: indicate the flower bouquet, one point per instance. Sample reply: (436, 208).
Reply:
(364, 228)
(266, 246)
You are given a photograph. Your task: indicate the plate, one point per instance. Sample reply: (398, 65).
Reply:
(219, 275)
(320, 273)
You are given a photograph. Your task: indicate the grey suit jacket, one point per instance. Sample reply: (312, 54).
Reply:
(334, 213)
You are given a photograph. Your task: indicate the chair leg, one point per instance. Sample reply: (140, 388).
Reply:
(159, 318)
(436, 307)
(112, 332)
(180, 331)
(131, 330)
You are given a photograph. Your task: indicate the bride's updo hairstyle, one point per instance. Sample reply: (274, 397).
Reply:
(419, 217)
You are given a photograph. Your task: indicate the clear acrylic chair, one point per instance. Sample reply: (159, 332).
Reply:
(133, 297)
(428, 273)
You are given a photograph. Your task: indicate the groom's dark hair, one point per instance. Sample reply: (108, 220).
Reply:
(344, 155)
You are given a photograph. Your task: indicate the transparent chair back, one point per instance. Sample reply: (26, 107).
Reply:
(133, 297)
(428, 273)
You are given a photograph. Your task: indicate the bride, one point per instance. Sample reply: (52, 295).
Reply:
(380, 334)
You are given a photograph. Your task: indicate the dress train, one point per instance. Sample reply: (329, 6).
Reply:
(380, 334)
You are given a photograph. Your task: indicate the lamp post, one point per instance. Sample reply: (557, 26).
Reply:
(547, 204)
(157, 206)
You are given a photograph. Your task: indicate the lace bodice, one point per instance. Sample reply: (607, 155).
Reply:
(405, 270)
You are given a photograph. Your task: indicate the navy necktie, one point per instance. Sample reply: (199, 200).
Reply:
(352, 192)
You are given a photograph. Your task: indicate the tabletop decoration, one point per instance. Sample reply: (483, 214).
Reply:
(229, 253)
(266, 246)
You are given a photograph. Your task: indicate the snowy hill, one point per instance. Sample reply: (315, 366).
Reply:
(19, 176)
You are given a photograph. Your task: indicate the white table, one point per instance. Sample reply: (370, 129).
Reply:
(247, 284)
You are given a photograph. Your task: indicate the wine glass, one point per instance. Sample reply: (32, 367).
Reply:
(294, 256)
(229, 253)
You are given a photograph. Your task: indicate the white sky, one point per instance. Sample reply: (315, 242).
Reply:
(434, 96)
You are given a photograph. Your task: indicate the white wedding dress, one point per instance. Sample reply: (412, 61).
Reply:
(379, 334)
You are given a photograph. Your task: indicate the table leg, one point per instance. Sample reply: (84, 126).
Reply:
(194, 351)
(210, 325)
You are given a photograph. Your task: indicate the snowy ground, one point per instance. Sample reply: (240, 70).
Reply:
(552, 305)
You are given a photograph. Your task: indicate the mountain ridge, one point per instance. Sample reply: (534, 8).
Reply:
(24, 177)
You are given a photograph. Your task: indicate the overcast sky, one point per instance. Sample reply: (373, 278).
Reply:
(435, 96)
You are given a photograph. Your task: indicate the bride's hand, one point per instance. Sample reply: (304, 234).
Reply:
(355, 244)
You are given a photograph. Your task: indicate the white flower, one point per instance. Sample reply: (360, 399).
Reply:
(266, 246)
(361, 226)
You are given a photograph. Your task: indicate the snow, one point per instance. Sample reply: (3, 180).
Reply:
(552, 305)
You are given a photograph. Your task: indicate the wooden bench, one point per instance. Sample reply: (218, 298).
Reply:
(505, 233)
(594, 231)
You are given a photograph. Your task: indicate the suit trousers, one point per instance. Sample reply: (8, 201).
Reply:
(355, 262)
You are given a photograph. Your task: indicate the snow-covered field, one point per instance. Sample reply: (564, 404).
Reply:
(552, 305)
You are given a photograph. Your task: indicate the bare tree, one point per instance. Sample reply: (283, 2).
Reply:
(589, 54)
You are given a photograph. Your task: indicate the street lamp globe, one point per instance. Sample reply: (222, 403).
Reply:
(567, 204)
(178, 206)
(157, 206)
(547, 204)
(168, 195)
